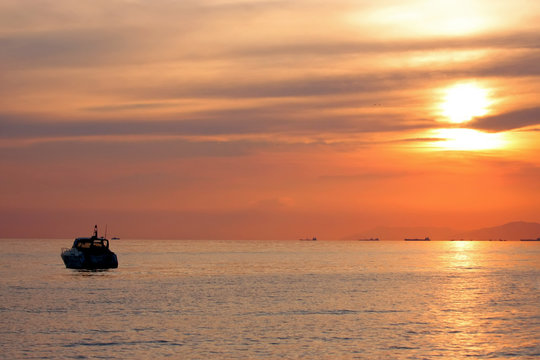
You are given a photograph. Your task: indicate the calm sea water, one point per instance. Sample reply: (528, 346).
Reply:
(273, 300)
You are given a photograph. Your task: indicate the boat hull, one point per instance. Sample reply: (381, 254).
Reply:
(74, 259)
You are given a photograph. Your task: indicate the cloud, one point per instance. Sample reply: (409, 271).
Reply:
(60, 34)
(338, 47)
(73, 48)
(303, 85)
(95, 150)
(369, 80)
(274, 203)
(302, 118)
(369, 176)
(507, 121)
(510, 65)
(122, 33)
(130, 106)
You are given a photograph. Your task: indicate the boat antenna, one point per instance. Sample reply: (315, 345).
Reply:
(95, 231)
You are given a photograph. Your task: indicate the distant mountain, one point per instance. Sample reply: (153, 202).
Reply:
(511, 231)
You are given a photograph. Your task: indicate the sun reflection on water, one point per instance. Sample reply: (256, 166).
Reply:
(466, 300)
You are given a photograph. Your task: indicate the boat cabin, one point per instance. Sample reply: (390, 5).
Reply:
(91, 243)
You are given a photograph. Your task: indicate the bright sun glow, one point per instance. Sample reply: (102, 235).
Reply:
(463, 102)
(468, 139)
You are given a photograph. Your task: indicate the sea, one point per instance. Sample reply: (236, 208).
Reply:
(199, 299)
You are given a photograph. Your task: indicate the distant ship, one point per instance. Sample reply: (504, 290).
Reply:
(115, 238)
(308, 239)
(89, 253)
(418, 239)
(369, 239)
(530, 239)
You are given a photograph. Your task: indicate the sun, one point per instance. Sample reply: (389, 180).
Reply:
(462, 102)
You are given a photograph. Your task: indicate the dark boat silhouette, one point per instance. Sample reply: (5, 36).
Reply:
(89, 253)
(418, 239)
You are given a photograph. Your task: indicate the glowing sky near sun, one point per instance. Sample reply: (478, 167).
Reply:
(267, 119)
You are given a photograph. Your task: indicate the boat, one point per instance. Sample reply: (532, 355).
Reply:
(89, 253)
(115, 238)
(308, 239)
(369, 239)
(418, 239)
(538, 239)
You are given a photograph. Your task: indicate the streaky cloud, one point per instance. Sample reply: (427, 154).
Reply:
(128, 106)
(507, 121)
(74, 48)
(141, 151)
(522, 65)
(520, 40)
(513, 65)
(421, 139)
(302, 86)
(226, 122)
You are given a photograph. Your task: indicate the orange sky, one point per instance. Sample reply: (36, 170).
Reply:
(241, 119)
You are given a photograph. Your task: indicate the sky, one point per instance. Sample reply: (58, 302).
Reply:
(248, 119)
